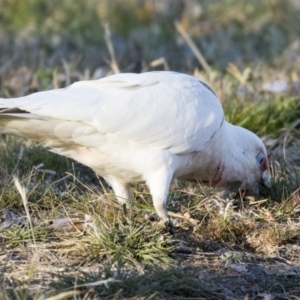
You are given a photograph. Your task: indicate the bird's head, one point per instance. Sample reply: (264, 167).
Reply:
(250, 162)
(258, 175)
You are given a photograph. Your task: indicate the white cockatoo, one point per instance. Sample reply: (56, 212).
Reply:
(150, 127)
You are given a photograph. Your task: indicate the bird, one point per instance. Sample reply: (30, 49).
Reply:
(151, 127)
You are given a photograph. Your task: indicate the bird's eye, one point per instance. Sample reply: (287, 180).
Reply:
(260, 158)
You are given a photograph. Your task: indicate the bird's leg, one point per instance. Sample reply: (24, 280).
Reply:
(122, 190)
(159, 184)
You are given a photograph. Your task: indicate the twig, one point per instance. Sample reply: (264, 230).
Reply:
(113, 62)
(64, 295)
(160, 61)
(67, 71)
(20, 156)
(193, 47)
(55, 80)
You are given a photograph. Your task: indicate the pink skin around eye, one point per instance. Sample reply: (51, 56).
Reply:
(264, 165)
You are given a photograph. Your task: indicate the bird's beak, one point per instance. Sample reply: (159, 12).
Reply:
(266, 179)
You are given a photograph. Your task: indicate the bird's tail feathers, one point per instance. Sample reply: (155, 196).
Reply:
(6, 113)
(10, 114)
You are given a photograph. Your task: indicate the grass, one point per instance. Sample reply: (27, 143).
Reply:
(75, 241)
(134, 257)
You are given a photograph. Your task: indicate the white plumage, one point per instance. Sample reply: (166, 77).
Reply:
(151, 127)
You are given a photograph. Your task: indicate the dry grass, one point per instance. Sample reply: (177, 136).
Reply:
(70, 239)
(102, 242)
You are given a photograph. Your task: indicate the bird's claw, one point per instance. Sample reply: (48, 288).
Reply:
(166, 223)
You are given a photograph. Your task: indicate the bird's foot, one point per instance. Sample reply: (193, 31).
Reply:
(166, 223)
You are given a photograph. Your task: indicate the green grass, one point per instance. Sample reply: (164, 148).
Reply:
(115, 254)
(67, 30)
(137, 258)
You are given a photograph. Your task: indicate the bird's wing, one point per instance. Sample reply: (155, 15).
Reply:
(163, 110)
